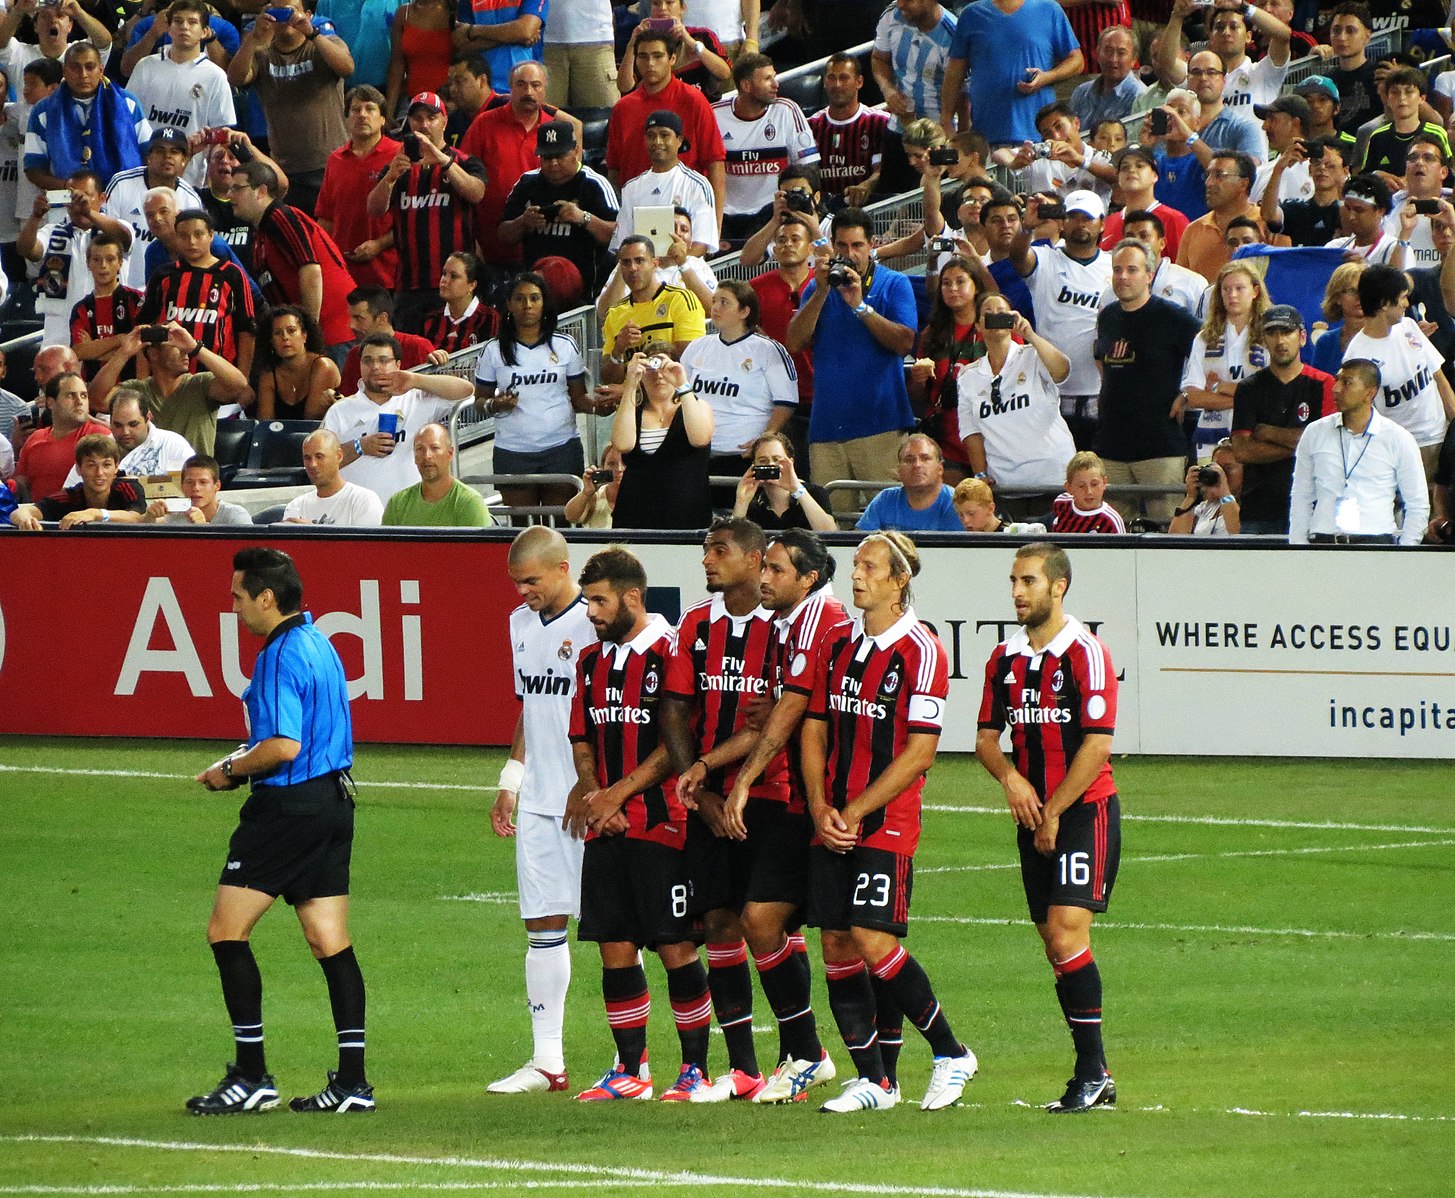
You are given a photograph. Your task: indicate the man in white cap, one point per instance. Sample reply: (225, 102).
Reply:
(1067, 282)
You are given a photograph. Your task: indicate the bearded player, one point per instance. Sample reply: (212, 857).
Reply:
(1053, 684)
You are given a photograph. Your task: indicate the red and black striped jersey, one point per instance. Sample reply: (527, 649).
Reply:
(1051, 700)
(213, 303)
(1067, 517)
(616, 711)
(431, 221)
(99, 316)
(479, 324)
(801, 636)
(1087, 22)
(849, 151)
(875, 692)
(721, 663)
(288, 240)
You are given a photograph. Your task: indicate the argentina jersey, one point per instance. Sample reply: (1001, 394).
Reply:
(543, 661)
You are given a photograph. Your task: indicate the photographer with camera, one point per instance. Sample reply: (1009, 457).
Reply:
(1315, 219)
(772, 495)
(1062, 162)
(865, 314)
(796, 200)
(1212, 507)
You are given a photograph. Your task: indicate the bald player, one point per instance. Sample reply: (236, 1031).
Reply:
(548, 631)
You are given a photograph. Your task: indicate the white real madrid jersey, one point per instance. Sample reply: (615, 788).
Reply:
(543, 659)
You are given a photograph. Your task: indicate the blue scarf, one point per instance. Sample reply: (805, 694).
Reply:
(110, 134)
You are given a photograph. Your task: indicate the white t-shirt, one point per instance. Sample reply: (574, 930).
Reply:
(742, 381)
(1421, 250)
(1294, 184)
(723, 17)
(543, 661)
(350, 507)
(358, 416)
(582, 23)
(63, 280)
(1067, 296)
(1253, 83)
(10, 139)
(1045, 175)
(759, 150)
(681, 187)
(184, 95)
(163, 452)
(1027, 443)
(1232, 360)
(544, 417)
(124, 201)
(1208, 519)
(1375, 255)
(1408, 364)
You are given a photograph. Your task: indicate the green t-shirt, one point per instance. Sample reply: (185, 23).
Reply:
(187, 411)
(461, 507)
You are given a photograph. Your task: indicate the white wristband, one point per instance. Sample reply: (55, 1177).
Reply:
(512, 774)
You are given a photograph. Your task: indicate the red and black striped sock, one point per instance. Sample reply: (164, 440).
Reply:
(890, 1021)
(627, 1007)
(851, 998)
(692, 1009)
(785, 978)
(731, 983)
(1078, 981)
(906, 979)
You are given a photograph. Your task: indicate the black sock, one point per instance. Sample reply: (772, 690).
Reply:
(890, 1021)
(242, 992)
(627, 1006)
(692, 1009)
(851, 998)
(1080, 981)
(346, 997)
(731, 983)
(906, 978)
(785, 978)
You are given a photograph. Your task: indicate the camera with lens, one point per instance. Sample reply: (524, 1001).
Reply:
(1041, 149)
(1207, 476)
(796, 200)
(839, 272)
(770, 470)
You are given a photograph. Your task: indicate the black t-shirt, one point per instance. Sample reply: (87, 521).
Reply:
(1142, 355)
(1358, 101)
(1307, 223)
(1431, 299)
(1387, 148)
(1262, 399)
(761, 512)
(231, 228)
(126, 496)
(589, 192)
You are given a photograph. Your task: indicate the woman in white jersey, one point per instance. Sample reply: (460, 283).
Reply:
(532, 379)
(1010, 406)
(747, 378)
(1228, 349)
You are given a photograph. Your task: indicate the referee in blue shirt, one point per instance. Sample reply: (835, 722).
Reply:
(294, 837)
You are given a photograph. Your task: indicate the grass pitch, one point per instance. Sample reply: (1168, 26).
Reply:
(1278, 965)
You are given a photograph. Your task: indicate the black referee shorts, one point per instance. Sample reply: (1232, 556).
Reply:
(293, 841)
(771, 866)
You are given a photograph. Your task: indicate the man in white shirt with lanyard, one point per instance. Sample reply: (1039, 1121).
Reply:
(1350, 468)
(547, 634)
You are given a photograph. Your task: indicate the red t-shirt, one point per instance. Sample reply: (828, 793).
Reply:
(508, 149)
(347, 181)
(287, 240)
(1172, 220)
(626, 143)
(45, 459)
(414, 349)
(777, 302)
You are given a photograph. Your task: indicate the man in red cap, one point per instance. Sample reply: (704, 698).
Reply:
(431, 190)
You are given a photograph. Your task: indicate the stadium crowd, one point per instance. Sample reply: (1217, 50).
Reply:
(285, 211)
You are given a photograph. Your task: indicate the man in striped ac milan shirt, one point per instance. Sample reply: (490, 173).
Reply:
(1053, 684)
(431, 190)
(871, 734)
(208, 296)
(850, 137)
(100, 319)
(634, 886)
(746, 891)
(295, 261)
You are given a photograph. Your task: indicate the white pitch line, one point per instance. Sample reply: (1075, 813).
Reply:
(1220, 929)
(599, 1172)
(1160, 858)
(292, 1187)
(1212, 821)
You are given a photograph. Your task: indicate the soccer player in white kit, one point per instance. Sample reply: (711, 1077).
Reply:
(547, 634)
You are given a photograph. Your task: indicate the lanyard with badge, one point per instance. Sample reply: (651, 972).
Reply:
(1346, 509)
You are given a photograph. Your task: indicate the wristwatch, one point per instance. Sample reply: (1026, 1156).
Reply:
(863, 309)
(227, 768)
(799, 491)
(685, 389)
(1193, 139)
(585, 221)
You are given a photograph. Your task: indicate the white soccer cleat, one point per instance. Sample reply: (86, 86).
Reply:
(792, 1080)
(948, 1081)
(530, 1079)
(726, 1087)
(860, 1094)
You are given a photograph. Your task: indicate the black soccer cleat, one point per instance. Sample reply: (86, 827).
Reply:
(336, 1099)
(1082, 1096)
(237, 1095)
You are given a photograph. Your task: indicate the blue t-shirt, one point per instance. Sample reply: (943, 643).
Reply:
(298, 692)
(998, 48)
(890, 509)
(1228, 131)
(1181, 184)
(1327, 353)
(503, 59)
(1013, 287)
(858, 385)
(225, 31)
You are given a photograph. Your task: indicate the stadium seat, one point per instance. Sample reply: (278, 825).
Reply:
(804, 90)
(276, 459)
(233, 445)
(593, 134)
(270, 515)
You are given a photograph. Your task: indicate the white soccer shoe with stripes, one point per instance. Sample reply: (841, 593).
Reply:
(530, 1078)
(860, 1094)
(948, 1081)
(792, 1080)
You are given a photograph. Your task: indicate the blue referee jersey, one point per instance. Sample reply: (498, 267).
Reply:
(298, 691)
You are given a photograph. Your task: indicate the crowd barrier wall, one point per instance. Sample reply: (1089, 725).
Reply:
(1221, 650)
